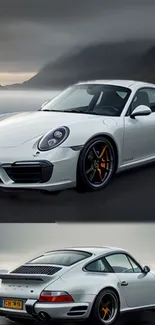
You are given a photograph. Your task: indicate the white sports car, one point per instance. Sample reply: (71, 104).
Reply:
(81, 138)
(96, 283)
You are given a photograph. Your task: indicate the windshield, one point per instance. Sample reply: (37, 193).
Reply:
(94, 99)
(65, 258)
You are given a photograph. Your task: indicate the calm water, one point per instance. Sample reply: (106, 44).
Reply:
(15, 101)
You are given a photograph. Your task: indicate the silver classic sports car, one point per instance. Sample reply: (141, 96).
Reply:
(79, 139)
(77, 284)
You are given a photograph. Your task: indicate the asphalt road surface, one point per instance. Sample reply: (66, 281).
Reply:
(130, 197)
(145, 318)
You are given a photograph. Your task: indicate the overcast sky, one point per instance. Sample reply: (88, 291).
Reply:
(19, 242)
(34, 32)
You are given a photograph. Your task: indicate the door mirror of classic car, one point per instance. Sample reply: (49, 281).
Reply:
(146, 269)
(141, 110)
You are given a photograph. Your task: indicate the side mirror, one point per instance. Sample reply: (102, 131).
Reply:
(146, 269)
(141, 110)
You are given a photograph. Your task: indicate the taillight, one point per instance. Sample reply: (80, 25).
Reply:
(55, 296)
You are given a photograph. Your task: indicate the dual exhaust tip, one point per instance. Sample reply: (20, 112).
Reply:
(44, 316)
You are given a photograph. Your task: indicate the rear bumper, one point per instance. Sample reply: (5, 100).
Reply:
(45, 311)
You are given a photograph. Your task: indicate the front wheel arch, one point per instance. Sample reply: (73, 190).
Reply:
(90, 140)
(111, 140)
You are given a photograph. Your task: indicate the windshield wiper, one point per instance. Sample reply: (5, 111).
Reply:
(73, 111)
(69, 111)
(81, 112)
(60, 111)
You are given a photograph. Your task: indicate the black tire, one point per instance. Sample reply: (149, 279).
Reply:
(91, 159)
(99, 314)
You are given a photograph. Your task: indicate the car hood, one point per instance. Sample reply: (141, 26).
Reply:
(18, 128)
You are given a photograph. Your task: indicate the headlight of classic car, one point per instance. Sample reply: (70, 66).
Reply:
(53, 138)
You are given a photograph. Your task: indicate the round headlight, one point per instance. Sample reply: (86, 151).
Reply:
(53, 138)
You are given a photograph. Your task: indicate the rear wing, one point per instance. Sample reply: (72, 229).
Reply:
(22, 277)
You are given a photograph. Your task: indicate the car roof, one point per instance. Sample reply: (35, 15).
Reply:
(121, 83)
(95, 250)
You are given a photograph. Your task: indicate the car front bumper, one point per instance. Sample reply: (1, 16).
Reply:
(54, 170)
(46, 311)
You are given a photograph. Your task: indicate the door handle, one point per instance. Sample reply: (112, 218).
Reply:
(124, 283)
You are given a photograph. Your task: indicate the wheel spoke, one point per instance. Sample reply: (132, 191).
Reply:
(102, 152)
(107, 308)
(100, 174)
(91, 169)
(95, 152)
(107, 156)
(105, 311)
(109, 313)
(98, 163)
(93, 174)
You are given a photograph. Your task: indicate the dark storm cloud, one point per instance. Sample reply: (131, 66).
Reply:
(44, 10)
(47, 10)
(35, 32)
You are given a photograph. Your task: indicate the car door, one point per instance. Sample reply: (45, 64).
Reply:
(138, 287)
(139, 134)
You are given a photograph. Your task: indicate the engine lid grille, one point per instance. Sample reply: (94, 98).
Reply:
(37, 269)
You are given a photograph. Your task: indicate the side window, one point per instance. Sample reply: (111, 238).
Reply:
(151, 94)
(115, 97)
(141, 98)
(97, 266)
(144, 97)
(122, 263)
(135, 266)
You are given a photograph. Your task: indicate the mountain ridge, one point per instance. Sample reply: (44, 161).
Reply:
(124, 60)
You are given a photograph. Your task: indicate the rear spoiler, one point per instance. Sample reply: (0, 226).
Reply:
(27, 277)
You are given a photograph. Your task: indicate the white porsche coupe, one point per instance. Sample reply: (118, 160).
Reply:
(97, 284)
(79, 139)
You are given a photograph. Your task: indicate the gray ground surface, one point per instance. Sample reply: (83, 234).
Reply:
(130, 197)
(143, 318)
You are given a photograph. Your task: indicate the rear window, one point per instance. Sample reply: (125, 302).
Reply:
(64, 258)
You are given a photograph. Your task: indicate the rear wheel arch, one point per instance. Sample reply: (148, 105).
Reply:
(108, 288)
(95, 314)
